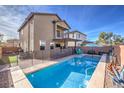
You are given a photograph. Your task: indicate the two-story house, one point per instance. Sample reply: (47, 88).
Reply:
(43, 31)
(78, 36)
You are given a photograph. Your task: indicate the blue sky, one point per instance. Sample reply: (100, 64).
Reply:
(90, 20)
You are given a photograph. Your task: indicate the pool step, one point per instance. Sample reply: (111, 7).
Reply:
(74, 80)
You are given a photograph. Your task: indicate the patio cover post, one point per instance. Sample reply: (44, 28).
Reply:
(75, 46)
(32, 58)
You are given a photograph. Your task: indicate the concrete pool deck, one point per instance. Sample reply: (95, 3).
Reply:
(97, 79)
(19, 78)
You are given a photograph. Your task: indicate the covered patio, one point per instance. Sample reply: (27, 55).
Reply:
(65, 40)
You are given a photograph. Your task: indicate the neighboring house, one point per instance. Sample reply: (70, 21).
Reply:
(43, 31)
(12, 43)
(78, 36)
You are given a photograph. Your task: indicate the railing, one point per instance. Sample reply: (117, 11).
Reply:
(28, 59)
(58, 53)
(61, 36)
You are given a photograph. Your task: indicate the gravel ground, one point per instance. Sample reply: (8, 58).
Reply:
(5, 77)
(108, 81)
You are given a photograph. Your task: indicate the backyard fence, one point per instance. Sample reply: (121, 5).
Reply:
(26, 59)
(97, 50)
(10, 50)
(46, 54)
(58, 53)
(5, 52)
(119, 53)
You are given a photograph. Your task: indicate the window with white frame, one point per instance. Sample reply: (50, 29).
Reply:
(42, 45)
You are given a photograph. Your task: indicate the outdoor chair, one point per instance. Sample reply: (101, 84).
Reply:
(79, 51)
(91, 52)
(13, 60)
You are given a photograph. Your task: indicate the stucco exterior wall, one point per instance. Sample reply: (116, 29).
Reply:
(43, 30)
(122, 54)
(24, 37)
(31, 37)
(119, 51)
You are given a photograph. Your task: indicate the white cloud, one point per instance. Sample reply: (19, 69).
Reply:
(11, 17)
(10, 21)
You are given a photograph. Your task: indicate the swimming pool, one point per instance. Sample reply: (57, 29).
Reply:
(69, 73)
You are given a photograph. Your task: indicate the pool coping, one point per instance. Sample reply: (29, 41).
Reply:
(19, 78)
(97, 79)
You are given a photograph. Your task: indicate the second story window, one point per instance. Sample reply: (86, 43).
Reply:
(58, 33)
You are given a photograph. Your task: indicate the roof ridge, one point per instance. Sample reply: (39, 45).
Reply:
(36, 13)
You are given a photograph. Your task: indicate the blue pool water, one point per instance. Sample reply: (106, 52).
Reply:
(71, 73)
